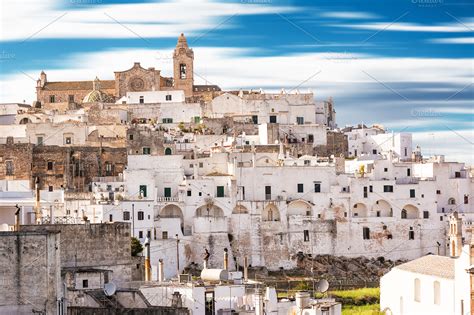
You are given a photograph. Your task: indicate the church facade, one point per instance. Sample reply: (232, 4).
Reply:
(63, 94)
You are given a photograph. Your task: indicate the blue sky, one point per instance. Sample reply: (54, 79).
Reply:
(406, 64)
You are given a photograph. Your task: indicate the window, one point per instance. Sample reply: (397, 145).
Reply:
(255, 119)
(167, 192)
(411, 234)
(68, 140)
(130, 137)
(306, 235)
(387, 188)
(140, 215)
(201, 165)
(52, 99)
(300, 120)
(317, 187)
(404, 214)
(111, 218)
(143, 190)
(182, 71)
(220, 191)
(300, 188)
(273, 119)
(141, 100)
(268, 192)
(39, 140)
(371, 189)
(71, 98)
(451, 201)
(366, 233)
(438, 192)
(168, 97)
(126, 215)
(457, 174)
(146, 150)
(406, 152)
(148, 234)
(164, 235)
(437, 293)
(417, 293)
(374, 151)
(426, 214)
(168, 151)
(50, 188)
(310, 138)
(412, 193)
(197, 119)
(85, 283)
(167, 120)
(189, 193)
(109, 169)
(466, 199)
(9, 168)
(408, 172)
(385, 169)
(365, 191)
(140, 234)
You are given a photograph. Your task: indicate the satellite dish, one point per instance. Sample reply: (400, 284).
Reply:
(110, 288)
(322, 285)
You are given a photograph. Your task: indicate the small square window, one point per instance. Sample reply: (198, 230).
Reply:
(130, 137)
(68, 140)
(85, 283)
(168, 97)
(164, 235)
(50, 188)
(146, 151)
(52, 99)
(189, 193)
(300, 188)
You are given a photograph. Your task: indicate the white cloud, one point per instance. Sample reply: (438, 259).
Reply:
(412, 27)
(454, 40)
(46, 19)
(350, 15)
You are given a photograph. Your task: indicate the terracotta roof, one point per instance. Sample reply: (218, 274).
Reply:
(204, 88)
(432, 265)
(78, 85)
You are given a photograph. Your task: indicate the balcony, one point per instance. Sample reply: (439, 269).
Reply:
(168, 199)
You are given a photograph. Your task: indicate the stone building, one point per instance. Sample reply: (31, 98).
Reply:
(63, 95)
(15, 160)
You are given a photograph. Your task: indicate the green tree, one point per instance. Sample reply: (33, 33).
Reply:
(137, 247)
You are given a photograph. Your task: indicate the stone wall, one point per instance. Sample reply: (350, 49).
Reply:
(20, 154)
(103, 246)
(29, 272)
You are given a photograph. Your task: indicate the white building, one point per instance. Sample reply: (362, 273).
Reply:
(432, 284)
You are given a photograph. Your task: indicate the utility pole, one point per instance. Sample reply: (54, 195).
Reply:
(177, 256)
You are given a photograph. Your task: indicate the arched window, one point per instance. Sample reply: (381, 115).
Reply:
(417, 290)
(437, 293)
(168, 151)
(451, 201)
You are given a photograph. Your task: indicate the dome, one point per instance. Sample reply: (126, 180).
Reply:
(97, 96)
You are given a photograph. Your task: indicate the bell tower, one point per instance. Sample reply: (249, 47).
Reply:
(455, 235)
(183, 59)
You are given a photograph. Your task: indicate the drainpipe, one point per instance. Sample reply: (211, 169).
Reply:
(17, 218)
(37, 202)
(246, 264)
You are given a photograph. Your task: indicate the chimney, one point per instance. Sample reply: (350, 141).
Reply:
(246, 270)
(161, 275)
(147, 260)
(43, 79)
(258, 301)
(226, 259)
